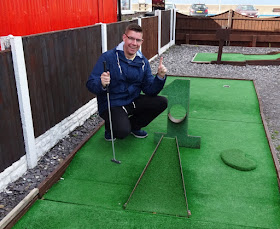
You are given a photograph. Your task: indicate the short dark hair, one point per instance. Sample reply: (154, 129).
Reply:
(134, 27)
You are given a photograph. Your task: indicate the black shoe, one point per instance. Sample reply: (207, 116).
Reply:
(139, 133)
(108, 136)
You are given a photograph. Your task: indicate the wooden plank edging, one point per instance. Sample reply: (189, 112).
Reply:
(18, 211)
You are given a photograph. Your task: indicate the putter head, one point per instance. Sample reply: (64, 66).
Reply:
(116, 161)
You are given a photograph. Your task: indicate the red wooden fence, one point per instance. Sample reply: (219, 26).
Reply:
(25, 17)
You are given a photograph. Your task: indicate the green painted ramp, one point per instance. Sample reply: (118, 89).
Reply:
(160, 188)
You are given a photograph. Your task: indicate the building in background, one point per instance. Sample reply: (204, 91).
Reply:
(126, 6)
(158, 5)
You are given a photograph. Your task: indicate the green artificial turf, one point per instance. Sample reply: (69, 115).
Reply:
(236, 57)
(93, 189)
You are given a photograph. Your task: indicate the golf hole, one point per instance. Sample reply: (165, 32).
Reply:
(226, 86)
(177, 113)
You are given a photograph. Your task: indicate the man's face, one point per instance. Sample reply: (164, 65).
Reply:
(132, 42)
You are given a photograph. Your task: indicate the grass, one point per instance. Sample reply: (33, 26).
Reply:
(237, 57)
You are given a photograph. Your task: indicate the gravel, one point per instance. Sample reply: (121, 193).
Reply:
(177, 59)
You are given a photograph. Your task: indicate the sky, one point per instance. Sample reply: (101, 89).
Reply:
(222, 2)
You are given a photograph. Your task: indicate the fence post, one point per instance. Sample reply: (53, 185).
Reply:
(254, 40)
(174, 26)
(24, 100)
(158, 13)
(104, 37)
(171, 26)
(230, 19)
(139, 20)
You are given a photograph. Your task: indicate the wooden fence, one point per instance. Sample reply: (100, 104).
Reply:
(11, 136)
(57, 67)
(245, 31)
(115, 32)
(150, 36)
(165, 27)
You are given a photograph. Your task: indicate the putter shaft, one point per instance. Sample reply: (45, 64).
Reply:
(110, 120)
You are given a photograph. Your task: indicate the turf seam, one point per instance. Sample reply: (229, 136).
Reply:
(233, 196)
(96, 181)
(161, 214)
(65, 202)
(150, 213)
(231, 224)
(79, 204)
(224, 120)
(113, 209)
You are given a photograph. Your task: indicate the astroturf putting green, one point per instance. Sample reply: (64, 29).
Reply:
(232, 57)
(225, 113)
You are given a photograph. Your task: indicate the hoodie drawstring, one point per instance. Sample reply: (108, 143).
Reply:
(143, 66)
(119, 62)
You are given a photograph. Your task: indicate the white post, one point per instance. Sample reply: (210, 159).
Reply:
(24, 100)
(140, 24)
(174, 27)
(104, 37)
(139, 21)
(171, 26)
(158, 13)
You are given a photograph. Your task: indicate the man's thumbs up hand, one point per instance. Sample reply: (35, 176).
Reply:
(161, 69)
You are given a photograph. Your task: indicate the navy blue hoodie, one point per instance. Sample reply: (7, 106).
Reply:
(128, 78)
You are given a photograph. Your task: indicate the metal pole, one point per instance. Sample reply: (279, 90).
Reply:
(110, 119)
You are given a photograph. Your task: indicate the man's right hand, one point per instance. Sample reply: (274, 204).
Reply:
(105, 79)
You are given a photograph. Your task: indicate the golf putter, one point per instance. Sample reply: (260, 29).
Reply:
(110, 119)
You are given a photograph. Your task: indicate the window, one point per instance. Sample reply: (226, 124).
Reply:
(125, 4)
(126, 7)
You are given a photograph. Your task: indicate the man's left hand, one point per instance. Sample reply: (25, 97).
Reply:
(161, 69)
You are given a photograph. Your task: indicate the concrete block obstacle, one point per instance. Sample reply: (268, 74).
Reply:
(178, 93)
